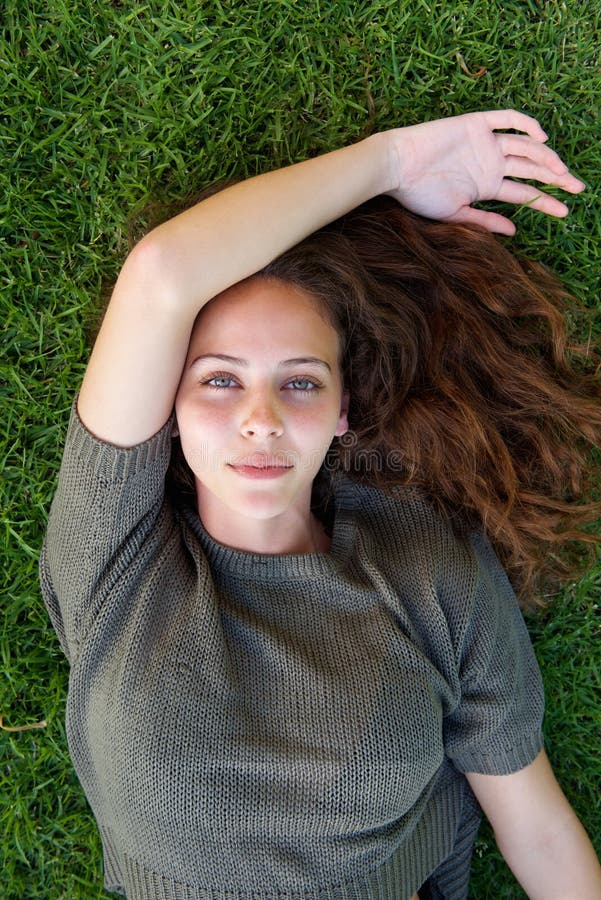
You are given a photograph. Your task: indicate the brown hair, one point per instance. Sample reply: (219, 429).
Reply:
(462, 382)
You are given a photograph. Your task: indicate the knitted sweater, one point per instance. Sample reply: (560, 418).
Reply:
(287, 726)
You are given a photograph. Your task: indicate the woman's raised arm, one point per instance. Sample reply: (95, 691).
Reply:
(132, 377)
(437, 169)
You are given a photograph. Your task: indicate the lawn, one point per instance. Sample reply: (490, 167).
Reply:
(106, 106)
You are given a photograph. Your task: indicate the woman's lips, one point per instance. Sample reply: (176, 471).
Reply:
(261, 471)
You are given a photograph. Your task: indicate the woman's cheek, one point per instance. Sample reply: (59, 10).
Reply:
(318, 425)
(203, 413)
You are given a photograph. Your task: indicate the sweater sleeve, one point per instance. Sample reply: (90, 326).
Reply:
(107, 502)
(496, 728)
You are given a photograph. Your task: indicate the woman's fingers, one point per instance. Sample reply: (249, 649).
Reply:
(520, 145)
(511, 118)
(520, 167)
(489, 220)
(527, 195)
(516, 193)
(528, 159)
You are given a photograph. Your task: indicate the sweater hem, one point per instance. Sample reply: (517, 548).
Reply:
(397, 877)
(117, 464)
(502, 763)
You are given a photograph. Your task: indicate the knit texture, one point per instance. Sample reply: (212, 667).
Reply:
(287, 726)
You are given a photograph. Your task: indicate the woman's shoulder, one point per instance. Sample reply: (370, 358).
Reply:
(445, 575)
(407, 537)
(402, 515)
(108, 515)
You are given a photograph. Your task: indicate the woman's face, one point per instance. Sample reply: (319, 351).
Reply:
(260, 399)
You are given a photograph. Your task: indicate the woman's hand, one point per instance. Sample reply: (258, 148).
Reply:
(441, 167)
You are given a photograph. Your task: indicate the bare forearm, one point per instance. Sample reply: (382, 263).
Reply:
(560, 865)
(538, 832)
(236, 232)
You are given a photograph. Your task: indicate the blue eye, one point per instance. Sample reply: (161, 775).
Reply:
(219, 378)
(305, 384)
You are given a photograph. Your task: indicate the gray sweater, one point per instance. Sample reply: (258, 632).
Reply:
(287, 726)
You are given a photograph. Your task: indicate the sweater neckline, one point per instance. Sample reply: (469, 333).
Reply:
(282, 566)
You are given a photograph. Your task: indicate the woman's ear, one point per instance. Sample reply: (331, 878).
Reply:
(342, 426)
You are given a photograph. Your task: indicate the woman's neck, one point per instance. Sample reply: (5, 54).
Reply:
(297, 530)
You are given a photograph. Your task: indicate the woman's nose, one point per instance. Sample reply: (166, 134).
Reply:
(262, 420)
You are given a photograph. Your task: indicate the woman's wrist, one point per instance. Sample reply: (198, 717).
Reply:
(387, 150)
(385, 161)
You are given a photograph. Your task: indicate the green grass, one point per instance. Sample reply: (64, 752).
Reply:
(105, 105)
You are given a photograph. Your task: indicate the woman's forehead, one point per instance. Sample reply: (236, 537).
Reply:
(264, 316)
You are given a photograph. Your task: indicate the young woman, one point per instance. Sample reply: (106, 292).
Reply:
(298, 668)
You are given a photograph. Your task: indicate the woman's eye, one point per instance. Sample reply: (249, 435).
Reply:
(219, 381)
(304, 384)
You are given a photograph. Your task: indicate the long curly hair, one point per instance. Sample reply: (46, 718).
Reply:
(463, 383)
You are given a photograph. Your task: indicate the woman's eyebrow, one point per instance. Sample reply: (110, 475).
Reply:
(306, 360)
(297, 361)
